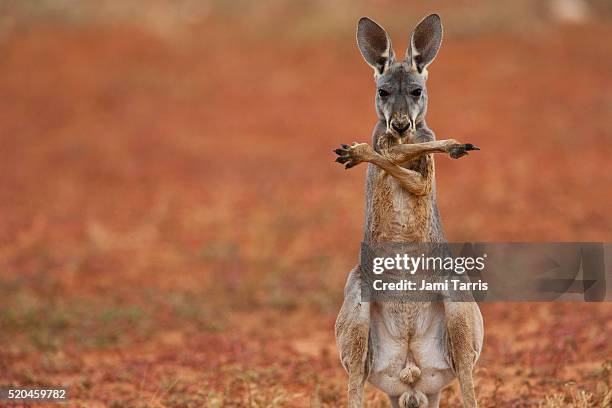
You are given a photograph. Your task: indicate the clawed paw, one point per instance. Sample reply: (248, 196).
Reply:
(460, 150)
(352, 155)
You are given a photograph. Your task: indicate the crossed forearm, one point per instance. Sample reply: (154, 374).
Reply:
(392, 158)
(411, 180)
(404, 153)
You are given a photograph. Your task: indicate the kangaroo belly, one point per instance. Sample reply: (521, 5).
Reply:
(409, 212)
(409, 333)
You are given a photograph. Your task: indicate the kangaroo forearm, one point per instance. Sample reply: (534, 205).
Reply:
(404, 153)
(411, 180)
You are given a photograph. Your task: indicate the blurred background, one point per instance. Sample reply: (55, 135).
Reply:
(174, 230)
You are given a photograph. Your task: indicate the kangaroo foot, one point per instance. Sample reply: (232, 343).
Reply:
(410, 374)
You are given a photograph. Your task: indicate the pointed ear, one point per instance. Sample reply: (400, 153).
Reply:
(425, 42)
(374, 44)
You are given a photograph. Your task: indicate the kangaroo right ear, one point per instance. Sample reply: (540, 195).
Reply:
(374, 44)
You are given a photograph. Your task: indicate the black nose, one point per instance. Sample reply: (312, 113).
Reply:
(400, 127)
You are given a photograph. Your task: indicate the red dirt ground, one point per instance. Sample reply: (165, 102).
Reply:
(176, 234)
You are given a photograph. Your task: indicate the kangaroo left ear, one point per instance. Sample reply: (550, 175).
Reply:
(425, 42)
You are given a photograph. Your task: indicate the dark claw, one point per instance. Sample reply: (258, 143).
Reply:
(342, 159)
(340, 152)
(462, 150)
(349, 165)
(457, 152)
(344, 146)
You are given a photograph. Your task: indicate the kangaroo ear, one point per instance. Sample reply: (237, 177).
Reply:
(374, 44)
(425, 42)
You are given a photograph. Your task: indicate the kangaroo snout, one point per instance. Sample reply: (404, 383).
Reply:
(401, 125)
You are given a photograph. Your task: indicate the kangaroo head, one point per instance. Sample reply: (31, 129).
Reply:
(401, 95)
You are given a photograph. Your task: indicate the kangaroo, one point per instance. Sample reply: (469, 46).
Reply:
(409, 350)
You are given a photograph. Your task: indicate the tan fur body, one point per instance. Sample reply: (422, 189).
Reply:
(386, 342)
(397, 215)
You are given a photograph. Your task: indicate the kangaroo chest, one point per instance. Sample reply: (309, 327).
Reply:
(397, 215)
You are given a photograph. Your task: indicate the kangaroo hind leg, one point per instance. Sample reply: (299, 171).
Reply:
(352, 338)
(465, 335)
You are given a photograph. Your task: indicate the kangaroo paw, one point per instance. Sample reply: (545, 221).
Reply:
(354, 154)
(410, 374)
(461, 150)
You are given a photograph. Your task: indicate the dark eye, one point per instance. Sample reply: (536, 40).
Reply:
(382, 93)
(416, 92)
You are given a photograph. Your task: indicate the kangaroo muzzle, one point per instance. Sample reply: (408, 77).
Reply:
(402, 124)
